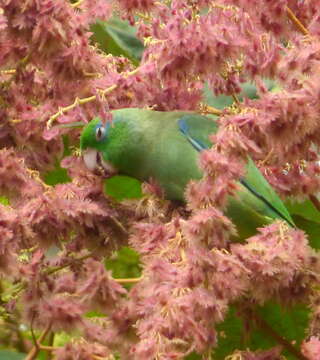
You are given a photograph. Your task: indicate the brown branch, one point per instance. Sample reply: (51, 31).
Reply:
(206, 109)
(86, 100)
(118, 224)
(236, 99)
(8, 71)
(297, 22)
(47, 348)
(52, 270)
(128, 281)
(37, 347)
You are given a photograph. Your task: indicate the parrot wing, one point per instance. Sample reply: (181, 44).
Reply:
(255, 192)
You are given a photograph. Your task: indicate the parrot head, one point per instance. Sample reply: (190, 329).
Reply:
(94, 145)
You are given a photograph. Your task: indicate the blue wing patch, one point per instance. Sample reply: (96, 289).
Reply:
(183, 127)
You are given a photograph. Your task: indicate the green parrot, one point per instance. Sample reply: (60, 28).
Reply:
(165, 146)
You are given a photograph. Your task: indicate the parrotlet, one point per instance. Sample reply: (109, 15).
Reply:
(165, 146)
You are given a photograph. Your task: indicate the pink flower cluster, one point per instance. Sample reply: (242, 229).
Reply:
(54, 239)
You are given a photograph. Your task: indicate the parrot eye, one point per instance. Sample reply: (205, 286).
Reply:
(100, 132)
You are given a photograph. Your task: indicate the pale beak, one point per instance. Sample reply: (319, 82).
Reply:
(94, 161)
(90, 158)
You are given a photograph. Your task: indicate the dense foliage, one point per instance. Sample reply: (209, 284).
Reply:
(87, 276)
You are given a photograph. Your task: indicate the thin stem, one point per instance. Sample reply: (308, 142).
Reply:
(47, 348)
(297, 22)
(22, 63)
(206, 109)
(236, 99)
(128, 281)
(34, 339)
(8, 71)
(85, 100)
(267, 158)
(118, 224)
(52, 270)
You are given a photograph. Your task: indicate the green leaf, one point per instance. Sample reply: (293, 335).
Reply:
(122, 187)
(289, 323)
(118, 38)
(11, 355)
(57, 176)
(128, 256)
(94, 314)
(4, 200)
(61, 338)
(125, 264)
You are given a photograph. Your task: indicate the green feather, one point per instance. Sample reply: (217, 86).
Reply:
(147, 144)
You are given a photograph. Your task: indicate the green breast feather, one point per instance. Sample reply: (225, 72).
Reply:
(147, 144)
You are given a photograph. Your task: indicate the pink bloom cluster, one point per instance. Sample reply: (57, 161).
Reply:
(311, 348)
(54, 239)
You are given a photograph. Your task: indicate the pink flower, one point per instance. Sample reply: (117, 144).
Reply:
(136, 5)
(275, 258)
(61, 312)
(209, 228)
(222, 171)
(81, 350)
(272, 354)
(311, 348)
(9, 243)
(3, 22)
(98, 288)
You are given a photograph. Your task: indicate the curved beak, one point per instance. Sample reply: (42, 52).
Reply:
(90, 158)
(94, 161)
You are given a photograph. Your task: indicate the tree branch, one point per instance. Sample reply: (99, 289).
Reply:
(128, 280)
(37, 347)
(297, 22)
(85, 100)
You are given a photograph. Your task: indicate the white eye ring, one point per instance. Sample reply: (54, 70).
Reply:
(100, 133)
